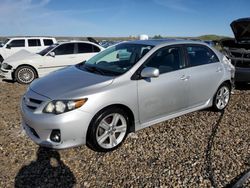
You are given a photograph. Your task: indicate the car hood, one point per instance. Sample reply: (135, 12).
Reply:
(21, 55)
(241, 29)
(69, 83)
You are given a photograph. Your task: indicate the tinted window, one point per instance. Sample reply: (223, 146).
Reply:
(65, 49)
(87, 48)
(200, 55)
(166, 60)
(34, 42)
(95, 48)
(17, 43)
(47, 42)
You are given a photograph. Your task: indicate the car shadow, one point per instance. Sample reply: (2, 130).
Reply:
(238, 181)
(47, 171)
(8, 81)
(208, 152)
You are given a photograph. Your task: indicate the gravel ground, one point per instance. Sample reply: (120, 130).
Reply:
(201, 149)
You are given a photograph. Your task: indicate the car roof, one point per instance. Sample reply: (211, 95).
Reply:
(75, 41)
(31, 37)
(157, 42)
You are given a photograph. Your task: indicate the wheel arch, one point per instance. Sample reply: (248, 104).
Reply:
(228, 82)
(126, 109)
(13, 73)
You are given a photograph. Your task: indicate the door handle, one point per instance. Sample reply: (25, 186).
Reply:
(185, 78)
(219, 69)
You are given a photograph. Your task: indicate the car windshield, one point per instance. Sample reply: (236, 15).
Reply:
(116, 60)
(3, 43)
(46, 50)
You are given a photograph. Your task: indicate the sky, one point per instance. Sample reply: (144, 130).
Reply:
(120, 18)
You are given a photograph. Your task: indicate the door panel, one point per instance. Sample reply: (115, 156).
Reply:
(165, 95)
(162, 96)
(205, 72)
(54, 63)
(16, 45)
(203, 83)
(64, 56)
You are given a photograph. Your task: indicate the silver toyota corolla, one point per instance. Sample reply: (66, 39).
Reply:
(125, 88)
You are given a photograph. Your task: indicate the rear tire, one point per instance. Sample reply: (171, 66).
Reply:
(108, 130)
(25, 74)
(222, 97)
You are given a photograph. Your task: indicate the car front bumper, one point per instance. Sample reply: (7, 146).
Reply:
(38, 126)
(242, 74)
(7, 75)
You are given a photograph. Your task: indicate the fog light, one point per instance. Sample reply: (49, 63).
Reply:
(55, 135)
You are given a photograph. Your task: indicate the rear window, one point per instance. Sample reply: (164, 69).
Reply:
(34, 42)
(47, 42)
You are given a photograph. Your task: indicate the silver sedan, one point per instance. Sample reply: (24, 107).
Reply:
(123, 89)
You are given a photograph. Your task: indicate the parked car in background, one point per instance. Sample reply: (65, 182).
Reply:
(100, 101)
(238, 49)
(209, 42)
(31, 44)
(24, 66)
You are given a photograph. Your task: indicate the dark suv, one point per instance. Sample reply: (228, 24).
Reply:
(238, 49)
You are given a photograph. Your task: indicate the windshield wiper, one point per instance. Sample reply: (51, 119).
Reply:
(94, 69)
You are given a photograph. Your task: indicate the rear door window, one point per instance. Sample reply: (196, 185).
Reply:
(34, 42)
(200, 55)
(47, 42)
(17, 43)
(87, 48)
(96, 49)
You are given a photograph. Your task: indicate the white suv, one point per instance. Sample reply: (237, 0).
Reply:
(31, 44)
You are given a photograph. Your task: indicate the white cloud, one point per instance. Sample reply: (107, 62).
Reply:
(178, 5)
(35, 17)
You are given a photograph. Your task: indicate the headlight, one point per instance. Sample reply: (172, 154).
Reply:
(6, 66)
(62, 106)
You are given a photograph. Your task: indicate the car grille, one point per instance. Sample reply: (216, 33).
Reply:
(32, 103)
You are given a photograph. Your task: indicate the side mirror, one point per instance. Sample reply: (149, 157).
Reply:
(8, 46)
(52, 54)
(150, 72)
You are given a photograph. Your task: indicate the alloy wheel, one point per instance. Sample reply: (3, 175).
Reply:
(222, 97)
(111, 130)
(26, 75)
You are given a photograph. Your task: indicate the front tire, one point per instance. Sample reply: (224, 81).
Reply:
(222, 97)
(25, 74)
(108, 130)
(1, 59)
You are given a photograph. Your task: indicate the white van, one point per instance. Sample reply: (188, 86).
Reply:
(31, 44)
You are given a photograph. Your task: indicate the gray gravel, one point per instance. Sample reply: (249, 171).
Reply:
(201, 149)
